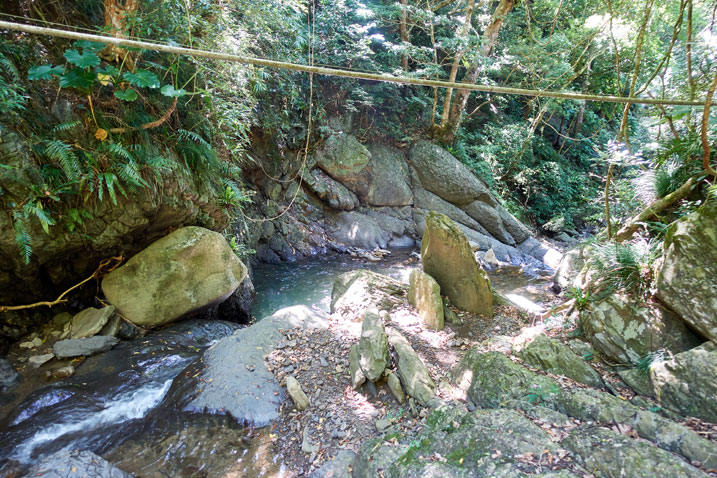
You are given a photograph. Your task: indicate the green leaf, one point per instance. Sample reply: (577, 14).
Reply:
(168, 90)
(109, 70)
(90, 46)
(44, 72)
(127, 95)
(83, 60)
(142, 79)
(78, 78)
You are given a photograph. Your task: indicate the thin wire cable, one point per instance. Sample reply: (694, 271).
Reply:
(123, 42)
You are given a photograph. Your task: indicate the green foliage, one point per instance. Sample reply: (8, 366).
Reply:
(12, 93)
(583, 299)
(625, 266)
(644, 364)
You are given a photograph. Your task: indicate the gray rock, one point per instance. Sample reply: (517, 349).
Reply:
(445, 176)
(515, 228)
(388, 177)
(611, 454)
(413, 373)
(373, 346)
(626, 331)
(491, 379)
(357, 376)
(185, 271)
(356, 229)
(688, 382)
(89, 322)
(84, 347)
(232, 375)
(686, 279)
(297, 393)
(490, 219)
(638, 380)
(8, 375)
(357, 291)
(424, 294)
(382, 424)
(554, 357)
(448, 258)
(36, 361)
(330, 191)
(569, 268)
(80, 464)
(343, 158)
(307, 445)
(430, 202)
(394, 384)
(338, 467)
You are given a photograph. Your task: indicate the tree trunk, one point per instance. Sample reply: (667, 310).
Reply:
(404, 33)
(449, 127)
(457, 62)
(116, 14)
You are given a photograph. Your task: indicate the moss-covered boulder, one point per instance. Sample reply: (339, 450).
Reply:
(448, 258)
(424, 294)
(411, 370)
(606, 453)
(357, 291)
(373, 347)
(686, 281)
(491, 379)
(554, 357)
(627, 331)
(445, 176)
(388, 177)
(688, 382)
(185, 271)
(343, 158)
(330, 191)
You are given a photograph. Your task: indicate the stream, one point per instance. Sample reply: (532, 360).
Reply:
(113, 405)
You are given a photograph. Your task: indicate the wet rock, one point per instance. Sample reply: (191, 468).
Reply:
(88, 322)
(688, 382)
(394, 384)
(296, 393)
(84, 347)
(183, 272)
(611, 454)
(554, 357)
(413, 373)
(491, 379)
(685, 281)
(373, 347)
(357, 291)
(84, 464)
(627, 332)
(232, 378)
(424, 294)
(448, 258)
(442, 174)
(338, 467)
(63, 372)
(8, 375)
(36, 361)
(357, 376)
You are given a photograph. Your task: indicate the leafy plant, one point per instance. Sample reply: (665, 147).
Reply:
(582, 298)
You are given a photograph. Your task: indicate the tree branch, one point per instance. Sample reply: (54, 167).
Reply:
(152, 124)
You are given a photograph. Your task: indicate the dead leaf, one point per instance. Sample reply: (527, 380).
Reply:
(101, 134)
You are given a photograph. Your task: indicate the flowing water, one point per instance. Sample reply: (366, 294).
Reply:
(114, 406)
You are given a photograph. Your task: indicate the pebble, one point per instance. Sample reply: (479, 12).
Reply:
(323, 362)
(383, 424)
(37, 360)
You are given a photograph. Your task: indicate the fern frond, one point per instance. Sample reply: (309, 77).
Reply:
(192, 136)
(62, 154)
(22, 238)
(63, 127)
(118, 151)
(36, 209)
(129, 174)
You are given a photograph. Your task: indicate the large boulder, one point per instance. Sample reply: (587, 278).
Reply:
(428, 201)
(445, 176)
(356, 291)
(373, 346)
(686, 281)
(490, 219)
(357, 229)
(491, 380)
(330, 191)
(448, 258)
(231, 377)
(627, 331)
(411, 370)
(610, 454)
(185, 271)
(554, 357)
(388, 173)
(568, 273)
(343, 158)
(688, 382)
(424, 294)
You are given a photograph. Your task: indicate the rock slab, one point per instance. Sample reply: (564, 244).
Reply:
(424, 294)
(88, 322)
(297, 393)
(411, 370)
(84, 347)
(554, 357)
(373, 347)
(448, 258)
(79, 464)
(185, 271)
